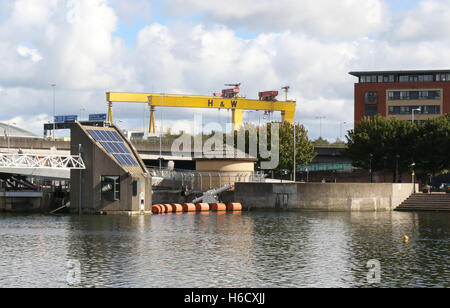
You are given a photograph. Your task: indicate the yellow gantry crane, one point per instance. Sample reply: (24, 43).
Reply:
(236, 104)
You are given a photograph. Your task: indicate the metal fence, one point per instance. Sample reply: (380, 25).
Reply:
(202, 181)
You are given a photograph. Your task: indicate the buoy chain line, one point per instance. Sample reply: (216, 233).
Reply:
(198, 207)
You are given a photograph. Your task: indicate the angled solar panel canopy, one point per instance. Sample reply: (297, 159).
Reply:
(114, 144)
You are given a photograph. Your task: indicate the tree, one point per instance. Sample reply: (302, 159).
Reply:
(391, 144)
(382, 144)
(304, 147)
(434, 145)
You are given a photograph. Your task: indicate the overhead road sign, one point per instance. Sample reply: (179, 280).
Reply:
(98, 117)
(66, 118)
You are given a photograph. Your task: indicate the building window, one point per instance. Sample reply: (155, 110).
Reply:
(404, 78)
(408, 110)
(442, 77)
(371, 98)
(413, 95)
(371, 111)
(110, 186)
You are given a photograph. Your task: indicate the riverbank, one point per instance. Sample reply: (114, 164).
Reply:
(322, 197)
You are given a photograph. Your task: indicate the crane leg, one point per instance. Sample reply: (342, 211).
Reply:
(238, 117)
(288, 116)
(152, 126)
(110, 113)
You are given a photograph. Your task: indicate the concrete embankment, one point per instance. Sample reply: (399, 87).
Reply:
(322, 197)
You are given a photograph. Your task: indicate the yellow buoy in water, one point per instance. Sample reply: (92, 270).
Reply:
(405, 239)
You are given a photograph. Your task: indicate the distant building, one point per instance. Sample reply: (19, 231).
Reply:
(398, 93)
(15, 132)
(135, 134)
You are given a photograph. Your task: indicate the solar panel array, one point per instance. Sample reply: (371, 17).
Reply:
(113, 144)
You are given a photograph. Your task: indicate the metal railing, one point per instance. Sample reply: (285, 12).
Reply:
(33, 161)
(203, 181)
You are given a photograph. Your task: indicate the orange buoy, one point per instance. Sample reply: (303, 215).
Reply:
(177, 208)
(163, 209)
(189, 207)
(202, 207)
(234, 207)
(156, 209)
(168, 208)
(219, 207)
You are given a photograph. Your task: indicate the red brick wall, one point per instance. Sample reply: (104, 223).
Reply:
(380, 88)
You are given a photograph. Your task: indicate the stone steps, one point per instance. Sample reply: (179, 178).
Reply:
(426, 202)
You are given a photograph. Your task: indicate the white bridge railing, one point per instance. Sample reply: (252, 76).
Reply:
(33, 161)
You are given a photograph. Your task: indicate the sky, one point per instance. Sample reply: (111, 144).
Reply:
(90, 47)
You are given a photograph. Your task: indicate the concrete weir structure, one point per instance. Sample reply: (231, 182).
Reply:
(322, 197)
(115, 180)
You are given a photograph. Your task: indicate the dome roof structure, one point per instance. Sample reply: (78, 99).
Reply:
(16, 132)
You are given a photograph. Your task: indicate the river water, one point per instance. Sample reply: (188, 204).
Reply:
(251, 249)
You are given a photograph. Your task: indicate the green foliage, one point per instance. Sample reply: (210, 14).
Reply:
(304, 147)
(391, 141)
(320, 142)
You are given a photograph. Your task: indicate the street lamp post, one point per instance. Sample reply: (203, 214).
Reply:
(54, 110)
(413, 165)
(413, 110)
(341, 124)
(321, 118)
(370, 167)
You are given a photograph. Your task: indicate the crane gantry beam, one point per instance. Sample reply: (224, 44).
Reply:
(237, 105)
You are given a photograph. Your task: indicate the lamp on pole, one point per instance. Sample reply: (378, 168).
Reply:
(413, 165)
(413, 110)
(341, 124)
(370, 167)
(54, 110)
(321, 118)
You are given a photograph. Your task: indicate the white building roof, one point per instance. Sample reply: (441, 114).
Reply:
(13, 131)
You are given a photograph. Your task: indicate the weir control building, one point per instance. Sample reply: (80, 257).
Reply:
(399, 94)
(115, 180)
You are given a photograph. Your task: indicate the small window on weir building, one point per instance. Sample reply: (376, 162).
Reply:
(110, 186)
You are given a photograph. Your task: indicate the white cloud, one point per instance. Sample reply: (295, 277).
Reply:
(428, 21)
(306, 45)
(31, 53)
(32, 123)
(326, 18)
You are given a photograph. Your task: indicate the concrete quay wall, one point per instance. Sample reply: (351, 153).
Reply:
(322, 197)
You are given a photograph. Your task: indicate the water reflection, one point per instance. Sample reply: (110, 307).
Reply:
(257, 249)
